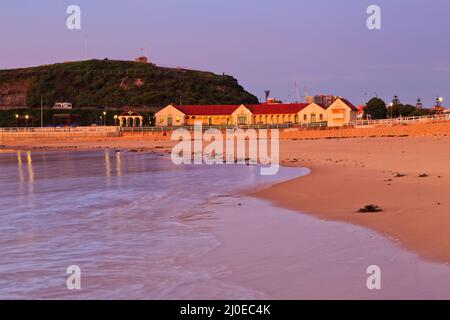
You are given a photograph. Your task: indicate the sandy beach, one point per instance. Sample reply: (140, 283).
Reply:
(408, 176)
(351, 173)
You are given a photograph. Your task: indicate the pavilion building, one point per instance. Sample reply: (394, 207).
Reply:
(339, 113)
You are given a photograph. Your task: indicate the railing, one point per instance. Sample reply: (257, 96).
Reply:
(308, 126)
(403, 120)
(317, 125)
(59, 129)
(191, 128)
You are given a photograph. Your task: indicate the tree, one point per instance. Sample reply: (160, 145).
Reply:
(396, 101)
(406, 110)
(375, 109)
(401, 110)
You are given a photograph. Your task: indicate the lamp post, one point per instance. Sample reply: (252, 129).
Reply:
(391, 105)
(152, 120)
(104, 118)
(42, 111)
(26, 120)
(115, 119)
(17, 120)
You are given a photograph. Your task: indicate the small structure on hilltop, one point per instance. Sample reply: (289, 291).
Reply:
(130, 119)
(141, 59)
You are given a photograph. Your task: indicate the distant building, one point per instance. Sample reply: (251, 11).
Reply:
(361, 111)
(438, 108)
(322, 99)
(273, 101)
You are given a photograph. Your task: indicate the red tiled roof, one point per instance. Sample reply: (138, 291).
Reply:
(277, 108)
(208, 110)
(361, 108)
(348, 103)
(264, 108)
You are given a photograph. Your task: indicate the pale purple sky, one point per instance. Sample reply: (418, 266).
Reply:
(324, 45)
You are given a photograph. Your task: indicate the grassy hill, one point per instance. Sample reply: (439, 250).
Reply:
(116, 84)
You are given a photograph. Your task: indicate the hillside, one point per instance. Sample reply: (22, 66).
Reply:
(96, 83)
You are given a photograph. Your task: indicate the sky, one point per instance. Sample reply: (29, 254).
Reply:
(322, 45)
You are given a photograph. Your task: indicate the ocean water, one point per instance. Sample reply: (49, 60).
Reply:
(124, 218)
(140, 227)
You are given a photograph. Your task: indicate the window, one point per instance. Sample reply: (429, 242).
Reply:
(161, 119)
(242, 120)
(321, 117)
(178, 119)
(305, 117)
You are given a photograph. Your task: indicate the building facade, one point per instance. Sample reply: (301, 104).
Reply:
(339, 113)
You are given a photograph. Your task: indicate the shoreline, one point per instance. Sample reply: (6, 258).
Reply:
(414, 208)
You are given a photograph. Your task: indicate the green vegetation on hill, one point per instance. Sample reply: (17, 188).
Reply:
(116, 84)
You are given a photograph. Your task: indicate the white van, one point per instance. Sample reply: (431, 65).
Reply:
(62, 105)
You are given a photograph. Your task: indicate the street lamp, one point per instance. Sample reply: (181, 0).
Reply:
(26, 121)
(115, 119)
(104, 118)
(391, 105)
(17, 120)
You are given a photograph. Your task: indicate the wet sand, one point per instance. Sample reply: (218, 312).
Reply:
(279, 254)
(351, 173)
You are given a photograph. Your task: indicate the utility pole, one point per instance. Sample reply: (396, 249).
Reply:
(85, 48)
(297, 92)
(42, 111)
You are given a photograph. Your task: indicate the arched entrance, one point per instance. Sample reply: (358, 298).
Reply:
(131, 119)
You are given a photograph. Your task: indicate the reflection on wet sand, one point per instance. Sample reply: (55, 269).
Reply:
(119, 169)
(30, 171)
(108, 167)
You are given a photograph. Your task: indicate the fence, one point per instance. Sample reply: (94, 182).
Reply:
(406, 120)
(111, 130)
(303, 126)
(106, 129)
